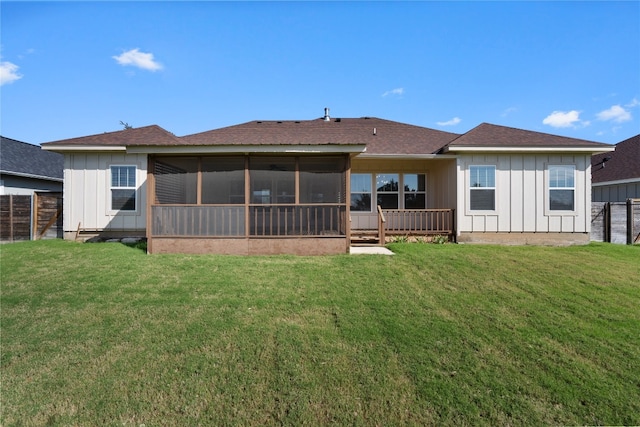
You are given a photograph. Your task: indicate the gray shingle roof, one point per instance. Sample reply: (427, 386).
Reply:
(21, 158)
(624, 163)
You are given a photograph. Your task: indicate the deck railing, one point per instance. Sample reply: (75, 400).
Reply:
(429, 221)
(263, 220)
(381, 225)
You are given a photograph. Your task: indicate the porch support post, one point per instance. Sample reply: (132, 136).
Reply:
(296, 181)
(151, 191)
(199, 182)
(347, 202)
(247, 197)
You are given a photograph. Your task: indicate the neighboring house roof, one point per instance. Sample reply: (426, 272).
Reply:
(499, 137)
(28, 160)
(147, 135)
(622, 164)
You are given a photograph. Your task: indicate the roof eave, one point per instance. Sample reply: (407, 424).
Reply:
(615, 182)
(527, 149)
(365, 155)
(32, 176)
(75, 147)
(243, 149)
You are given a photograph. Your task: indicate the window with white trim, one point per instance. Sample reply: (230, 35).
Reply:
(482, 188)
(123, 188)
(562, 187)
(387, 190)
(414, 185)
(361, 192)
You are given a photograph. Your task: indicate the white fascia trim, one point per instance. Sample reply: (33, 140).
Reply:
(556, 149)
(93, 148)
(28, 175)
(620, 181)
(246, 149)
(406, 156)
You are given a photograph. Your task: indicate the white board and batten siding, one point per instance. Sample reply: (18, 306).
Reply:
(521, 195)
(87, 190)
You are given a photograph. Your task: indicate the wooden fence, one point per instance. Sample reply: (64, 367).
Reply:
(24, 217)
(616, 222)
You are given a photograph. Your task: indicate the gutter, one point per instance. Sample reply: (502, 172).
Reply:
(79, 148)
(244, 149)
(28, 175)
(407, 156)
(554, 149)
(619, 181)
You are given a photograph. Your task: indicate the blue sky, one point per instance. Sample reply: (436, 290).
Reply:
(77, 68)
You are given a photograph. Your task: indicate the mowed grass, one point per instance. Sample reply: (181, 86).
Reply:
(103, 334)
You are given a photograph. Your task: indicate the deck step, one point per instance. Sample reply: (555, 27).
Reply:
(365, 238)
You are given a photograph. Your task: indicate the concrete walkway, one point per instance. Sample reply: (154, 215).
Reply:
(369, 250)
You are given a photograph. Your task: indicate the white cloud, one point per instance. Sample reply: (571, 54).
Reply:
(563, 119)
(138, 59)
(451, 122)
(508, 111)
(616, 114)
(8, 73)
(397, 91)
(634, 103)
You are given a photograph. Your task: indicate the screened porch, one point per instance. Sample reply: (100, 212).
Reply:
(248, 197)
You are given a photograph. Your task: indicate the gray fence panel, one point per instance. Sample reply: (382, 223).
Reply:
(616, 222)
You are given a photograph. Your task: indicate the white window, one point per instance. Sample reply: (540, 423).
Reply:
(562, 187)
(414, 186)
(361, 192)
(387, 190)
(123, 188)
(482, 188)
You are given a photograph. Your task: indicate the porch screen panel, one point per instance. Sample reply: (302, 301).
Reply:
(176, 180)
(223, 180)
(272, 180)
(322, 179)
(198, 221)
(300, 220)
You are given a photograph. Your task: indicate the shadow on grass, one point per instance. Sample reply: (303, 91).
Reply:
(141, 246)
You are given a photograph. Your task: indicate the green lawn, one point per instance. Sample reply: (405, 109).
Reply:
(103, 334)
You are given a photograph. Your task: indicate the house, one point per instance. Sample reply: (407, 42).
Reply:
(31, 182)
(26, 168)
(311, 186)
(615, 176)
(615, 189)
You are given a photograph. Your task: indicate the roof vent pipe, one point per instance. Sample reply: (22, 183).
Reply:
(326, 115)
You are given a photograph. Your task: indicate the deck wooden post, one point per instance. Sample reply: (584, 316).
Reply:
(34, 216)
(247, 198)
(151, 192)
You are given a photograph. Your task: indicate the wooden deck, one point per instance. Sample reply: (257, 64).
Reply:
(249, 228)
(398, 222)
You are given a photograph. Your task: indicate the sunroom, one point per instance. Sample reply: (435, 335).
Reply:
(249, 203)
